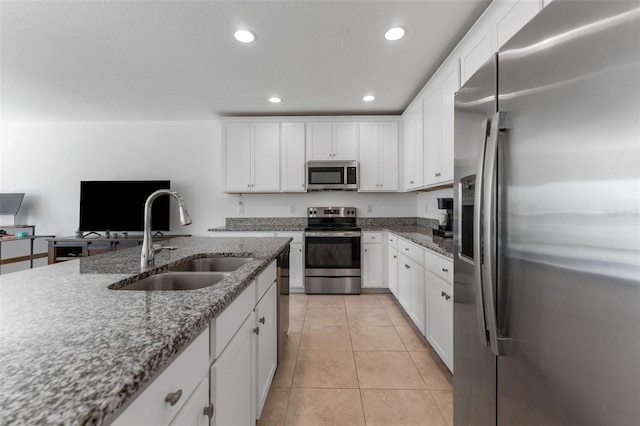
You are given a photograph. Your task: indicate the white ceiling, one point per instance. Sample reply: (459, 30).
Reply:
(178, 60)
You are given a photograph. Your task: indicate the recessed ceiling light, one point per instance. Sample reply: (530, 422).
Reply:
(244, 36)
(394, 34)
(275, 100)
(368, 98)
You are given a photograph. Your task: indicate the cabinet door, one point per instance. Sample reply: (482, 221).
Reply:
(266, 350)
(418, 295)
(292, 164)
(448, 89)
(520, 12)
(265, 157)
(475, 50)
(440, 318)
(369, 157)
(414, 149)
(319, 141)
(404, 282)
(372, 265)
(236, 142)
(192, 414)
(231, 380)
(393, 271)
(432, 131)
(388, 156)
(296, 266)
(345, 141)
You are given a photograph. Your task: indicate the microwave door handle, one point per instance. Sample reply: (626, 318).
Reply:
(477, 238)
(489, 226)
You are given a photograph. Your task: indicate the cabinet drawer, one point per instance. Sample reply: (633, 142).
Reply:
(183, 374)
(264, 281)
(372, 237)
(412, 251)
(392, 240)
(440, 266)
(225, 325)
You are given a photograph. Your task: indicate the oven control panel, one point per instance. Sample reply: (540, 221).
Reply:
(331, 212)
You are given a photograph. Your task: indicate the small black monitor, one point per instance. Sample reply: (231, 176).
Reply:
(119, 205)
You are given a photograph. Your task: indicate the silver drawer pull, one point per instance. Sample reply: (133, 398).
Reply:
(256, 330)
(406, 248)
(407, 266)
(395, 257)
(445, 270)
(173, 397)
(208, 411)
(261, 320)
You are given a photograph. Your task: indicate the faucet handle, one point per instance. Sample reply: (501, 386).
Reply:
(156, 248)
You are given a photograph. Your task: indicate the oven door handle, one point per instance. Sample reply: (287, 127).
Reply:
(333, 234)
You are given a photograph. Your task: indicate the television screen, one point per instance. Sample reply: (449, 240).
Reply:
(119, 205)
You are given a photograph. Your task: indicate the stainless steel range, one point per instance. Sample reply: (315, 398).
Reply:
(332, 243)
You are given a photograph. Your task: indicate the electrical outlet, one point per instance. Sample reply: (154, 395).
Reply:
(369, 208)
(292, 208)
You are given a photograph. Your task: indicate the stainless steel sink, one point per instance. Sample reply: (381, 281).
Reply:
(171, 281)
(212, 264)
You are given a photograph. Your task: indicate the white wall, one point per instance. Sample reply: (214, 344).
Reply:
(427, 203)
(47, 161)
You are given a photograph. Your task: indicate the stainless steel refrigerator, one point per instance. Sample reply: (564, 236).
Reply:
(547, 224)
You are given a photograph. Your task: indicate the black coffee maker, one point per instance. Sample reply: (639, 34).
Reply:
(445, 219)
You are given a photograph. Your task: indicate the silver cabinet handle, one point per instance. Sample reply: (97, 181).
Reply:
(411, 182)
(261, 320)
(407, 266)
(395, 257)
(208, 411)
(365, 250)
(248, 185)
(445, 270)
(300, 250)
(406, 249)
(256, 330)
(437, 174)
(442, 293)
(173, 397)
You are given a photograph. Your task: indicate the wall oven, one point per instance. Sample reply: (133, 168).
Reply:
(332, 175)
(332, 251)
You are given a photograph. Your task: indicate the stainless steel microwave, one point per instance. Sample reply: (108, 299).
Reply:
(332, 175)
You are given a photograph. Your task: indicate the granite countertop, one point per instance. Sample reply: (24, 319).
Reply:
(73, 351)
(420, 235)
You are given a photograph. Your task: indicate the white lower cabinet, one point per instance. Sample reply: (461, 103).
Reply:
(196, 409)
(411, 286)
(393, 271)
(372, 260)
(296, 267)
(265, 348)
(232, 381)
(171, 391)
(440, 321)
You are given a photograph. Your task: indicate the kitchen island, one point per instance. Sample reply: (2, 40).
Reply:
(73, 351)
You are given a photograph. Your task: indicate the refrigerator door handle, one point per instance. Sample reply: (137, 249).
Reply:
(477, 238)
(489, 229)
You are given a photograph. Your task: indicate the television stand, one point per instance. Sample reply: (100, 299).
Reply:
(70, 248)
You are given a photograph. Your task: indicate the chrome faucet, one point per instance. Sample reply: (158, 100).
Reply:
(147, 258)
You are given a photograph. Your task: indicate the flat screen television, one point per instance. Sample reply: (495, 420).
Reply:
(119, 205)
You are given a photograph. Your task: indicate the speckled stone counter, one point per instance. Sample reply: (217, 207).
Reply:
(417, 230)
(73, 351)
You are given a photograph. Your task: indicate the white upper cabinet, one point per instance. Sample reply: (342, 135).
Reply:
(439, 126)
(475, 50)
(378, 148)
(292, 159)
(517, 14)
(413, 148)
(251, 157)
(332, 141)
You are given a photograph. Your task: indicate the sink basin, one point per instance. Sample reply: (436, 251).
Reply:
(177, 281)
(212, 264)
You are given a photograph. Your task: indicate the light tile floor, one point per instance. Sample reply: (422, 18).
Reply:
(357, 360)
